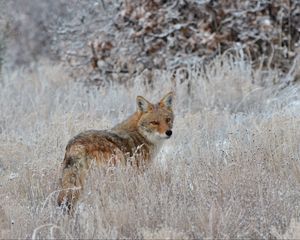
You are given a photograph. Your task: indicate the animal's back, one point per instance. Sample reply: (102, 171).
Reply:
(103, 148)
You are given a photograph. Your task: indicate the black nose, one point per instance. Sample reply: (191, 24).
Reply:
(169, 133)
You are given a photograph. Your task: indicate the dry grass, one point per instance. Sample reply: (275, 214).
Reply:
(230, 171)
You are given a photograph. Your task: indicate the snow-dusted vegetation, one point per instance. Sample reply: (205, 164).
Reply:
(230, 170)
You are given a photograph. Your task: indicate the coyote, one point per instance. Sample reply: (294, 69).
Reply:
(134, 142)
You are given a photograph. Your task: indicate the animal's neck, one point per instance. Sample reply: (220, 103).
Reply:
(129, 127)
(130, 124)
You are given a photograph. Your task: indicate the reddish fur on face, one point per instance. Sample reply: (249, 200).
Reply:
(134, 142)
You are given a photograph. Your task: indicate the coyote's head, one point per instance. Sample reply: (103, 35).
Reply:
(156, 120)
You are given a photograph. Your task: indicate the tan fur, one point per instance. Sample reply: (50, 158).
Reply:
(133, 142)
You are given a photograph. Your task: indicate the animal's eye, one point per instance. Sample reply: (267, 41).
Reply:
(168, 120)
(154, 123)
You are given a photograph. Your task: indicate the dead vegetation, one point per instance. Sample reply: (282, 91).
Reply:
(231, 170)
(103, 41)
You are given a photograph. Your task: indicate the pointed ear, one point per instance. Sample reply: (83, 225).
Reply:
(167, 101)
(143, 105)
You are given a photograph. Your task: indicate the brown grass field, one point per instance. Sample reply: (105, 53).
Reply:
(231, 170)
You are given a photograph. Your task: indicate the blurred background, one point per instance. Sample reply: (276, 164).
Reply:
(106, 40)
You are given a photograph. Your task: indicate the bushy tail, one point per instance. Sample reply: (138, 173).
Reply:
(71, 186)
